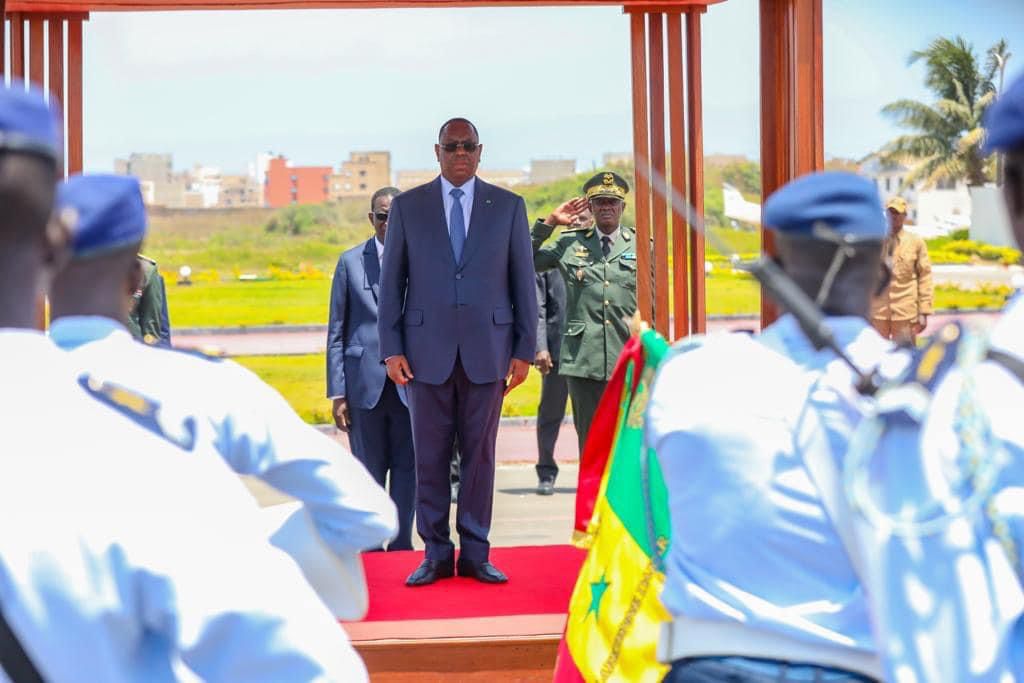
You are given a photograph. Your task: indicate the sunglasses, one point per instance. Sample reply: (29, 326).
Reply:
(469, 147)
(381, 217)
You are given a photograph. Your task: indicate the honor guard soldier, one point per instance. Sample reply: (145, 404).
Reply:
(937, 476)
(235, 414)
(598, 264)
(122, 558)
(148, 320)
(749, 432)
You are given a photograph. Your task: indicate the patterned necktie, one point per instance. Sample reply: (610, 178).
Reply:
(606, 245)
(457, 229)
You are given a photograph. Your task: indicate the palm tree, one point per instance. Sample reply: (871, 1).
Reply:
(946, 144)
(998, 55)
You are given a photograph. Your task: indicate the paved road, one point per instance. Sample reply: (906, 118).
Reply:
(313, 339)
(521, 517)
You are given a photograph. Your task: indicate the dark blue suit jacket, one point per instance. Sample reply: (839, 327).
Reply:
(483, 309)
(354, 369)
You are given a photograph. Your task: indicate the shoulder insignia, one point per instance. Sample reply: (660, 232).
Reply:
(932, 362)
(146, 258)
(568, 229)
(141, 410)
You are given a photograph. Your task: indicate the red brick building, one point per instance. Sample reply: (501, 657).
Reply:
(295, 184)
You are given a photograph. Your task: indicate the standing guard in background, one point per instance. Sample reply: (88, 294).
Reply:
(900, 313)
(598, 267)
(749, 431)
(148, 320)
(554, 392)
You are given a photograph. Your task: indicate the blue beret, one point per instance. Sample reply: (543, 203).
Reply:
(844, 202)
(109, 212)
(28, 124)
(1004, 119)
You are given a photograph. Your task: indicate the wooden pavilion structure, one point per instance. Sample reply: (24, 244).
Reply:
(45, 47)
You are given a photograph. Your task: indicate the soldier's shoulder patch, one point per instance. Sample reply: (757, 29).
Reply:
(142, 410)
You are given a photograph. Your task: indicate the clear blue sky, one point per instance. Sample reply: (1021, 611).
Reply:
(219, 87)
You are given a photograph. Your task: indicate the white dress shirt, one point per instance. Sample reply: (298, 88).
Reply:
(468, 188)
(613, 236)
(380, 250)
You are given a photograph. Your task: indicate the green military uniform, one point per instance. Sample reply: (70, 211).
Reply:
(148, 319)
(600, 300)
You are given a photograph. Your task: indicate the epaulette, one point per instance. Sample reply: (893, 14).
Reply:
(146, 258)
(931, 363)
(141, 410)
(568, 229)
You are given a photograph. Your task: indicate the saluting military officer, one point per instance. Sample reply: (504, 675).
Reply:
(599, 268)
(148, 320)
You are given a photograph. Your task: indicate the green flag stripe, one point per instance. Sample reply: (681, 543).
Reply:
(625, 480)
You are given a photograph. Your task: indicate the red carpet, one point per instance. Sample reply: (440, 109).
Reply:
(541, 579)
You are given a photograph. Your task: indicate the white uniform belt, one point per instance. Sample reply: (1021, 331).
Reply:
(688, 637)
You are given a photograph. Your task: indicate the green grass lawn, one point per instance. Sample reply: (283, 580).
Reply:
(304, 302)
(234, 304)
(301, 380)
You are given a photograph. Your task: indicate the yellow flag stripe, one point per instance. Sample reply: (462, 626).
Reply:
(615, 612)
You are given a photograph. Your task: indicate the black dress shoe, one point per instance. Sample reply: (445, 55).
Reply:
(546, 487)
(481, 571)
(430, 571)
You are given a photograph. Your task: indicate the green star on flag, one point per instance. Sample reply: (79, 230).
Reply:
(597, 589)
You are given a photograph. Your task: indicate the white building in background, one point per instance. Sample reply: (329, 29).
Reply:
(258, 172)
(933, 211)
(205, 181)
(148, 189)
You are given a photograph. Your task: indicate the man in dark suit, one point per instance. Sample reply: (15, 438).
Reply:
(554, 391)
(458, 321)
(366, 403)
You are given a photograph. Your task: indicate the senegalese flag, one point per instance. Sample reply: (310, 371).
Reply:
(615, 612)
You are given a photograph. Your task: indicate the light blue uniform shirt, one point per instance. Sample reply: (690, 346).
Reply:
(247, 422)
(752, 542)
(122, 559)
(948, 603)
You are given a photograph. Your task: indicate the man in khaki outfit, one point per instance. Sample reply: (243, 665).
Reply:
(901, 311)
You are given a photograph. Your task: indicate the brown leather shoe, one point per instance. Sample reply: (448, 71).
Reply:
(430, 571)
(481, 571)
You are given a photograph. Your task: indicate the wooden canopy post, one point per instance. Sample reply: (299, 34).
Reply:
(641, 158)
(792, 102)
(677, 134)
(659, 201)
(695, 120)
(76, 157)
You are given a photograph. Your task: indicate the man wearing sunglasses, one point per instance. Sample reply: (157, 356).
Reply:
(458, 324)
(365, 402)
